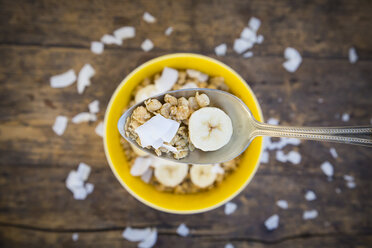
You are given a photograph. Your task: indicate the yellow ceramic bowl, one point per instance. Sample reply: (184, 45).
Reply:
(167, 202)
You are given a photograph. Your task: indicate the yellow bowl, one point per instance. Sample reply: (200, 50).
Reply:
(147, 194)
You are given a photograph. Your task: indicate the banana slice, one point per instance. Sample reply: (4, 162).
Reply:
(146, 92)
(202, 175)
(170, 173)
(138, 151)
(210, 128)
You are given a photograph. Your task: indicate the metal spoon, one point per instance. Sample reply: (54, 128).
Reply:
(246, 128)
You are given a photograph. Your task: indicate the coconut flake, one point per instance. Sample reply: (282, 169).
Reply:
(310, 214)
(99, 129)
(63, 80)
(351, 185)
(294, 59)
(109, 39)
(147, 45)
(60, 125)
(249, 35)
(265, 157)
(273, 121)
(348, 178)
(230, 208)
(74, 181)
(345, 117)
(272, 222)
(80, 193)
(248, 54)
(168, 78)
(327, 168)
(124, 33)
(94, 107)
(140, 166)
(201, 77)
(183, 230)
(75, 237)
(84, 117)
(168, 31)
(333, 152)
(150, 240)
(84, 77)
(217, 169)
(136, 234)
(221, 49)
(338, 190)
(260, 39)
(241, 45)
(96, 47)
(83, 171)
(190, 85)
(353, 56)
(293, 157)
(147, 17)
(89, 187)
(254, 23)
(310, 195)
(229, 245)
(146, 177)
(282, 204)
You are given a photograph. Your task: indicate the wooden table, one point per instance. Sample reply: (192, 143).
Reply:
(44, 38)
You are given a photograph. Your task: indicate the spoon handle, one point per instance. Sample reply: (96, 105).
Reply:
(349, 135)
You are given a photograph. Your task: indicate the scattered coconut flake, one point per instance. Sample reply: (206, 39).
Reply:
(146, 177)
(80, 193)
(221, 49)
(353, 56)
(310, 195)
(124, 33)
(338, 190)
(294, 59)
(282, 204)
(156, 131)
(254, 23)
(150, 240)
(230, 208)
(241, 45)
(281, 157)
(351, 185)
(96, 47)
(348, 178)
(84, 117)
(63, 80)
(140, 166)
(293, 156)
(320, 100)
(310, 214)
(272, 222)
(190, 85)
(201, 77)
(168, 31)
(136, 234)
(60, 125)
(249, 35)
(229, 245)
(75, 237)
(74, 181)
(265, 157)
(147, 17)
(345, 117)
(260, 39)
(248, 54)
(273, 121)
(183, 230)
(99, 129)
(84, 77)
(168, 78)
(109, 39)
(89, 187)
(147, 45)
(94, 107)
(83, 171)
(217, 169)
(327, 168)
(333, 152)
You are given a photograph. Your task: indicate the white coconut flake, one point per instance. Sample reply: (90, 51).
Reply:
(272, 222)
(294, 59)
(85, 74)
(353, 56)
(338, 190)
(241, 45)
(221, 49)
(282, 204)
(230, 208)
(264, 157)
(96, 47)
(260, 39)
(351, 185)
(84, 117)
(348, 178)
(310, 214)
(89, 187)
(124, 33)
(183, 230)
(168, 31)
(63, 80)
(201, 77)
(229, 245)
(150, 240)
(140, 166)
(147, 17)
(293, 157)
(217, 169)
(99, 129)
(83, 171)
(146, 177)
(147, 45)
(190, 85)
(136, 234)
(310, 195)
(94, 107)
(80, 193)
(248, 54)
(60, 125)
(254, 23)
(345, 117)
(168, 78)
(109, 39)
(273, 121)
(333, 152)
(74, 181)
(75, 237)
(249, 35)
(327, 168)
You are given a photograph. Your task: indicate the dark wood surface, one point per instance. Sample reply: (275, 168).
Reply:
(44, 38)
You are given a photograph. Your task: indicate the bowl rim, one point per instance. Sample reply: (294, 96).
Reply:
(105, 143)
